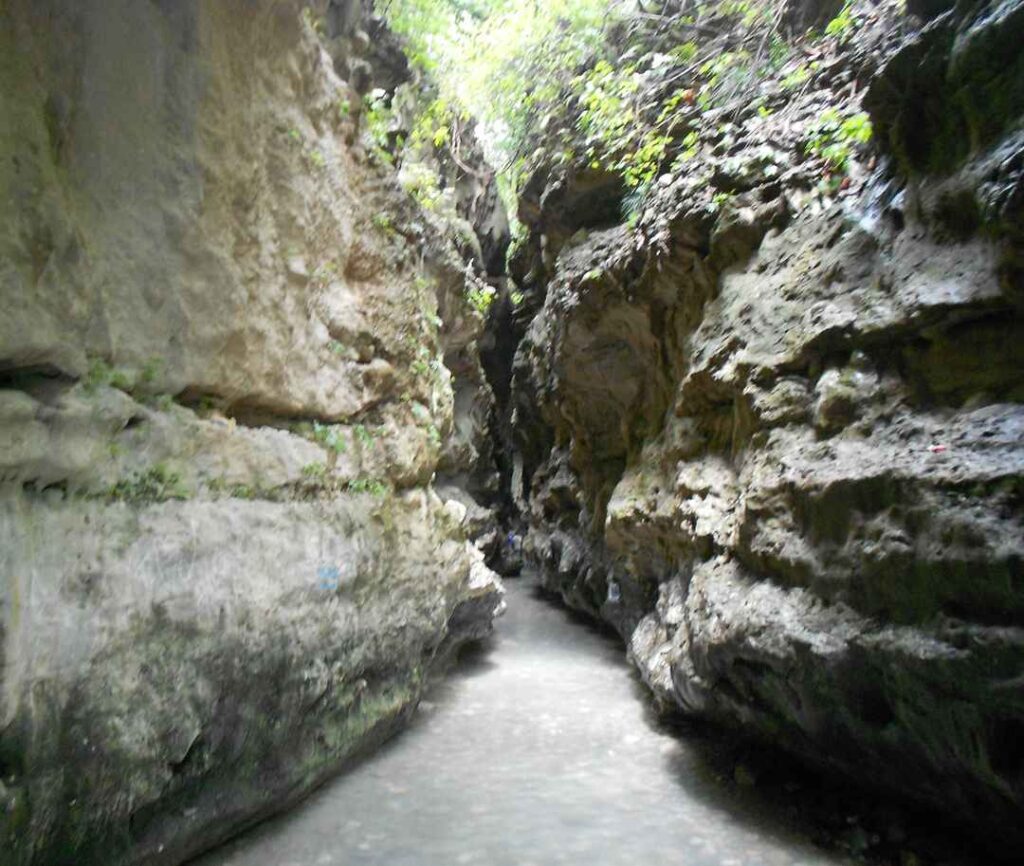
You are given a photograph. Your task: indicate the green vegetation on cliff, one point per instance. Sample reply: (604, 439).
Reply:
(500, 61)
(619, 86)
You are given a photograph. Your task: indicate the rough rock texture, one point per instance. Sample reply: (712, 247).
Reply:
(458, 192)
(175, 671)
(773, 431)
(223, 398)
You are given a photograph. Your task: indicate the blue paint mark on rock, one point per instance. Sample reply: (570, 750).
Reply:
(328, 578)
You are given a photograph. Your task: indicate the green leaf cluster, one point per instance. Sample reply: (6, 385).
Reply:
(373, 486)
(480, 296)
(834, 136)
(842, 26)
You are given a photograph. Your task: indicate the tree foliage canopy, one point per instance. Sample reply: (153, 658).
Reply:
(500, 60)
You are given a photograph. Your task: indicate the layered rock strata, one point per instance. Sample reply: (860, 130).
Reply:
(223, 398)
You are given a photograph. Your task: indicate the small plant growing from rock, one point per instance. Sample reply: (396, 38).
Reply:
(480, 297)
(160, 402)
(383, 222)
(101, 374)
(685, 53)
(797, 78)
(330, 437)
(156, 484)
(721, 199)
(833, 137)
(314, 471)
(150, 370)
(205, 406)
(220, 487)
(364, 436)
(379, 119)
(243, 491)
(643, 163)
(373, 486)
(843, 25)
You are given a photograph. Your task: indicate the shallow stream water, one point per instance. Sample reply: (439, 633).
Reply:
(540, 751)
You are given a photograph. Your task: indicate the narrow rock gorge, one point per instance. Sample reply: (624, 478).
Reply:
(284, 384)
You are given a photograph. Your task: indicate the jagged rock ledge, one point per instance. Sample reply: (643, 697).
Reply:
(774, 435)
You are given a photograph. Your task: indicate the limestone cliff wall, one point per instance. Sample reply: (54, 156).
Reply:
(222, 400)
(772, 430)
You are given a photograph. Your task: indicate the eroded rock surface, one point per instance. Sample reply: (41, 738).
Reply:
(772, 430)
(223, 398)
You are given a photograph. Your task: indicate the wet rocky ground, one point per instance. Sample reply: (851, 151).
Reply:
(542, 748)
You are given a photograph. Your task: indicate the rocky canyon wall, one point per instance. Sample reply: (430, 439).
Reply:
(223, 397)
(770, 427)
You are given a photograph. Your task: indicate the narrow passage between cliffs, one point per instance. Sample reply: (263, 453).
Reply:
(540, 750)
